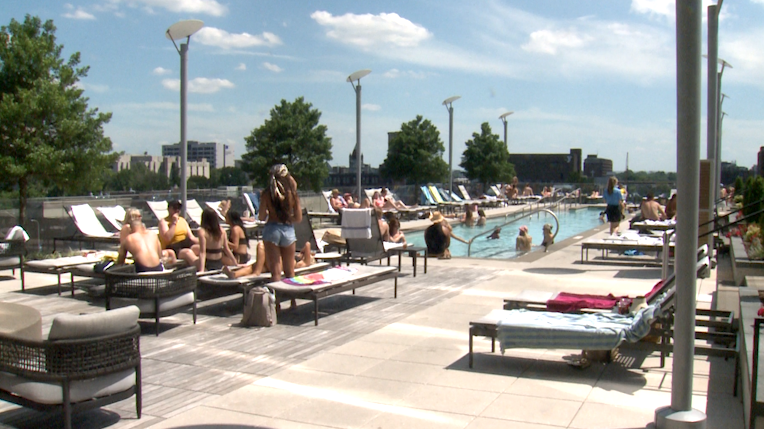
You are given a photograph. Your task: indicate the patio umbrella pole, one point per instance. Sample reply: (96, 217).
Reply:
(688, 56)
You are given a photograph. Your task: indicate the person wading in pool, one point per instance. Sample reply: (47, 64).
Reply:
(438, 236)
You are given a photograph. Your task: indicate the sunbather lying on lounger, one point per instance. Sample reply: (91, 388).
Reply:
(304, 259)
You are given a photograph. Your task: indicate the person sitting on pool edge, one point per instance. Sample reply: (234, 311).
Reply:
(524, 241)
(438, 236)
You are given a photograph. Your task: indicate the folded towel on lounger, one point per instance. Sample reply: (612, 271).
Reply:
(356, 223)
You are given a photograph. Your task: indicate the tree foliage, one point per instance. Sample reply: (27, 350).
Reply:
(48, 134)
(292, 136)
(415, 154)
(486, 159)
(137, 178)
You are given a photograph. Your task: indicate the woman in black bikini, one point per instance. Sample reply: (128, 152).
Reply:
(214, 252)
(237, 238)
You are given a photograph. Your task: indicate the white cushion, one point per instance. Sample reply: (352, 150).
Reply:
(70, 326)
(10, 261)
(80, 390)
(147, 305)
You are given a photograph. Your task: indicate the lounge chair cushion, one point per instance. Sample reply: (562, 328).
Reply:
(12, 261)
(80, 390)
(147, 305)
(566, 302)
(70, 326)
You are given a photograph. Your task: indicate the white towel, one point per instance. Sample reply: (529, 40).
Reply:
(17, 233)
(356, 223)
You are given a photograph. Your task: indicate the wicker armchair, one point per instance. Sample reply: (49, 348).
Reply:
(12, 256)
(87, 361)
(156, 294)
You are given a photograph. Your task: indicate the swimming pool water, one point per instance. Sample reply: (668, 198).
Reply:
(572, 222)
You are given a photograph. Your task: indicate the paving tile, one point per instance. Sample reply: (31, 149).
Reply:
(429, 355)
(530, 409)
(370, 349)
(418, 419)
(449, 399)
(404, 371)
(339, 363)
(255, 400)
(550, 389)
(488, 423)
(600, 416)
(390, 392)
(333, 413)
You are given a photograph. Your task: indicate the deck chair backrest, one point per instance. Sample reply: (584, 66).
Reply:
(464, 192)
(371, 247)
(436, 195)
(215, 205)
(496, 191)
(252, 199)
(670, 290)
(194, 211)
(114, 214)
(370, 192)
(159, 208)
(445, 195)
(668, 284)
(327, 196)
(456, 197)
(87, 222)
(304, 233)
(427, 195)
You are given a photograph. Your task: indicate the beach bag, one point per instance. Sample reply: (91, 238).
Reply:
(259, 307)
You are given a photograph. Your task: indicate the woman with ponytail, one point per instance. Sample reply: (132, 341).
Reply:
(280, 209)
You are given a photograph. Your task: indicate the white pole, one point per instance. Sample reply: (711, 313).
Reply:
(450, 148)
(183, 144)
(688, 57)
(712, 104)
(358, 159)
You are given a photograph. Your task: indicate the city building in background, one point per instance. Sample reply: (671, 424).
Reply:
(546, 167)
(162, 164)
(219, 155)
(597, 167)
(345, 177)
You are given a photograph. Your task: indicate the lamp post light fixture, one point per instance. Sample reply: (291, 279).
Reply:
(503, 118)
(183, 30)
(356, 77)
(448, 103)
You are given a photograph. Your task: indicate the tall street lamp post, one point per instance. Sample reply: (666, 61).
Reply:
(448, 103)
(356, 77)
(718, 183)
(183, 30)
(503, 118)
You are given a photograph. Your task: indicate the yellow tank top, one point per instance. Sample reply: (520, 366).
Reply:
(181, 232)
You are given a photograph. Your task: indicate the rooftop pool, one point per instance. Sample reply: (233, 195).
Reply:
(572, 222)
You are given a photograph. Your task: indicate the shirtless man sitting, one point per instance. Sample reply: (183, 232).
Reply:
(144, 247)
(651, 210)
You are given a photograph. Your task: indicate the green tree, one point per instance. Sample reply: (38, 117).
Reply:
(415, 154)
(486, 158)
(232, 176)
(137, 178)
(47, 132)
(292, 136)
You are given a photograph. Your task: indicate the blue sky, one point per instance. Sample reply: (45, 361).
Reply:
(593, 74)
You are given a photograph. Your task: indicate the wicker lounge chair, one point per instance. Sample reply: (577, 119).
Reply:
(156, 294)
(87, 361)
(12, 251)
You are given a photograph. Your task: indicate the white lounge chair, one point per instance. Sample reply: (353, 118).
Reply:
(89, 228)
(114, 214)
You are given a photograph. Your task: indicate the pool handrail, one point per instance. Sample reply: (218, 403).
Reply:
(490, 231)
(548, 200)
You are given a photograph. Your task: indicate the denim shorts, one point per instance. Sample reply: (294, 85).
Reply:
(280, 234)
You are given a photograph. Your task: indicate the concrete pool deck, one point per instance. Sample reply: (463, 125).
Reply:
(379, 362)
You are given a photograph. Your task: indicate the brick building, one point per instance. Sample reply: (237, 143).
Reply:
(546, 167)
(597, 167)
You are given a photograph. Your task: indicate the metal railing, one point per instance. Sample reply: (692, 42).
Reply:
(547, 202)
(485, 233)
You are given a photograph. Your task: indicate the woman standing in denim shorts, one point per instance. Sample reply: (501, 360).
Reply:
(280, 209)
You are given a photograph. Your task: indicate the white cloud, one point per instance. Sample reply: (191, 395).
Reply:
(241, 67)
(272, 67)
(208, 7)
(395, 74)
(212, 36)
(201, 85)
(165, 105)
(160, 71)
(368, 31)
(79, 13)
(549, 41)
(371, 107)
(743, 51)
(666, 9)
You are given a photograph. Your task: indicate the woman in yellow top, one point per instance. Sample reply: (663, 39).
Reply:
(174, 232)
